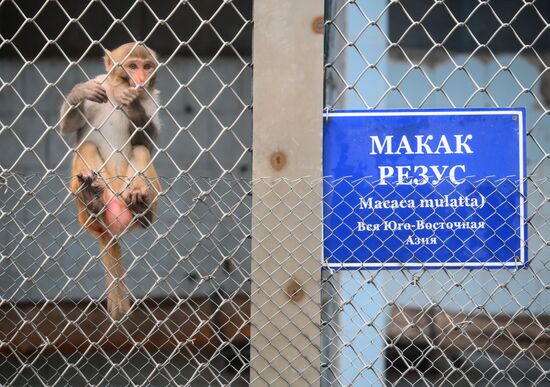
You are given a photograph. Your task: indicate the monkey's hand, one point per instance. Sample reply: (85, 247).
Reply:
(91, 90)
(127, 96)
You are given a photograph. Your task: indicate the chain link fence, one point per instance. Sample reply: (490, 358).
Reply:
(444, 327)
(190, 275)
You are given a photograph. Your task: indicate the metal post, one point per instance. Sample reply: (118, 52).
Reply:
(365, 367)
(287, 214)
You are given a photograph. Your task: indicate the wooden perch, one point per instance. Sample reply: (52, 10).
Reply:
(459, 332)
(154, 324)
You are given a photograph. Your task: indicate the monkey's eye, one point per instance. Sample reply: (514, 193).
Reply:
(132, 66)
(147, 66)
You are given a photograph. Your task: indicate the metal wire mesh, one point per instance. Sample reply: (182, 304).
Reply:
(443, 327)
(189, 274)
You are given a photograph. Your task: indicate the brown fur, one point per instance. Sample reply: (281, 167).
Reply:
(100, 188)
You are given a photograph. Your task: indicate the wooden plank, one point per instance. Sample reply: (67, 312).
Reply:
(232, 320)
(460, 332)
(85, 326)
(498, 334)
(286, 214)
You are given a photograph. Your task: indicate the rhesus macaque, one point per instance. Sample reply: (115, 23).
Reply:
(113, 179)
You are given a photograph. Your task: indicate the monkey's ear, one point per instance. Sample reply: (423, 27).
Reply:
(107, 60)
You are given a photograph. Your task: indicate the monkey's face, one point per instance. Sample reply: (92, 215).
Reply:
(140, 72)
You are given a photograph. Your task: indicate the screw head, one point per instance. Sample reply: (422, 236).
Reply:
(318, 25)
(278, 160)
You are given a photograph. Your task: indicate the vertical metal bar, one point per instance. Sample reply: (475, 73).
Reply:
(331, 338)
(367, 297)
(287, 237)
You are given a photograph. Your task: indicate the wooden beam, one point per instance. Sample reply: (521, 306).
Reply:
(67, 327)
(155, 324)
(287, 192)
(455, 332)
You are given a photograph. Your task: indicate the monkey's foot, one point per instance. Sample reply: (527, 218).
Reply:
(139, 202)
(90, 192)
(118, 302)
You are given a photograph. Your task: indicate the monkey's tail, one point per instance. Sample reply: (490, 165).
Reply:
(118, 296)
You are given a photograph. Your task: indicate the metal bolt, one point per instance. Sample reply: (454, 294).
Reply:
(318, 25)
(278, 160)
(294, 290)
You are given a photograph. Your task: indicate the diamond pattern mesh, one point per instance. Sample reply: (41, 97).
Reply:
(443, 327)
(189, 274)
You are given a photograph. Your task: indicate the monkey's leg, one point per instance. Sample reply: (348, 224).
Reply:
(141, 196)
(87, 186)
(118, 296)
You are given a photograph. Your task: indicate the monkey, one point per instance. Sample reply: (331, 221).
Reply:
(113, 180)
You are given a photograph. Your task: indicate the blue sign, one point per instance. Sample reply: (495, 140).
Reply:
(425, 189)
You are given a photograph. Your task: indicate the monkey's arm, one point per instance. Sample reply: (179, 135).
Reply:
(72, 110)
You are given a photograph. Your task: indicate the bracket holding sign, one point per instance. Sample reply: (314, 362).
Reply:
(425, 189)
